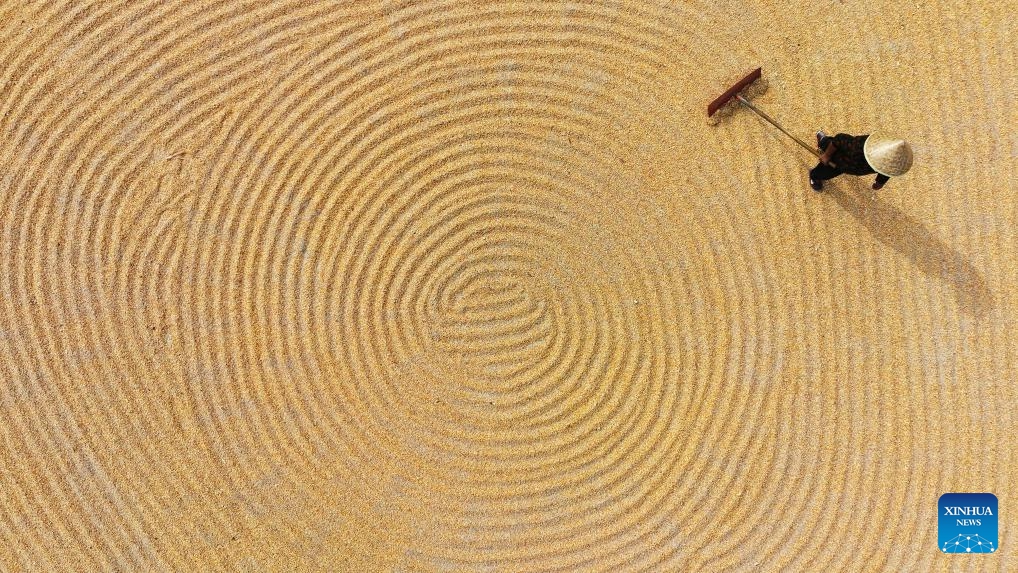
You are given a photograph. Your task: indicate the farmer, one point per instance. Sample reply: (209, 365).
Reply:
(860, 155)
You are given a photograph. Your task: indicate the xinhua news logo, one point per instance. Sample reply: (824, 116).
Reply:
(967, 523)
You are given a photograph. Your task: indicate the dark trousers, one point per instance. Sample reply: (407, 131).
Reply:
(823, 172)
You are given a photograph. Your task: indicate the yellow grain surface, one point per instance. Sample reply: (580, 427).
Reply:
(451, 286)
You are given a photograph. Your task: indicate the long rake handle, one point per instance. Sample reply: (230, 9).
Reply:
(770, 120)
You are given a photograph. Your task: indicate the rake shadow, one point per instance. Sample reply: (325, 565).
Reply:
(894, 228)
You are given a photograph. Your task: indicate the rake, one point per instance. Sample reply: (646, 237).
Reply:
(733, 92)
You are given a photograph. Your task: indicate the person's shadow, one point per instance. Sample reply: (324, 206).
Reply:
(909, 237)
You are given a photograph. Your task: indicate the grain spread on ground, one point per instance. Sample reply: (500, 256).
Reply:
(475, 286)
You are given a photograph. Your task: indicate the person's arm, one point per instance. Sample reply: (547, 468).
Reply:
(825, 157)
(881, 179)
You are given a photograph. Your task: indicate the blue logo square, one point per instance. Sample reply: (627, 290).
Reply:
(967, 523)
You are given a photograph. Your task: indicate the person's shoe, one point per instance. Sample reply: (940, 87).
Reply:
(816, 185)
(820, 137)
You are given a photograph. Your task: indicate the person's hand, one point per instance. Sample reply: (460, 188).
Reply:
(877, 186)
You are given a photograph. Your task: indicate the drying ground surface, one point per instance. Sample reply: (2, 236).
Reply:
(454, 286)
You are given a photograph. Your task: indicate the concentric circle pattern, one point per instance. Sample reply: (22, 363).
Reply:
(468, 286)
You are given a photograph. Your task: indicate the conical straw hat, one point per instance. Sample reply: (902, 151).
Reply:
(891, 157)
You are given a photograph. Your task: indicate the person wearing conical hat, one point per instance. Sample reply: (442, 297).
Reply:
(860, 155)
